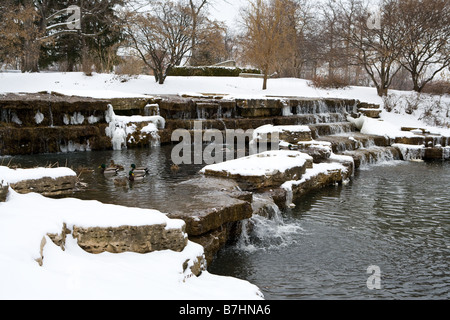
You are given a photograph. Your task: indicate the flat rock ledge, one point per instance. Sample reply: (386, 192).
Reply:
(138, 239)
(215, 212)
(47, 186)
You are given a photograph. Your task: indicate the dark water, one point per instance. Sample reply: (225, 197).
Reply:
(395, 217)
(152, 192)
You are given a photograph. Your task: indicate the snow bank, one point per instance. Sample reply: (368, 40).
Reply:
(110, 86)
(76, 274)
(16, 175)
(390, 125)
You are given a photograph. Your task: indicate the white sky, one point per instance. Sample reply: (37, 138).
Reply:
(227, 10)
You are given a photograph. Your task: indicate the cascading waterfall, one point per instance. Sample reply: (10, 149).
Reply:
(377, 155)
(267, 228)
(411, 152)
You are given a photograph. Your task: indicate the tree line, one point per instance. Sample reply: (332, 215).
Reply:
(401, 44)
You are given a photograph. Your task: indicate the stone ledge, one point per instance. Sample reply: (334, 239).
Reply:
(47, 186)
(139, 239)
(318, 181)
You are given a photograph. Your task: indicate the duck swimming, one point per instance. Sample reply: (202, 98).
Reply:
(121, 181)
(139, 170)
(108, 170)
(114, 165)
(135, 176)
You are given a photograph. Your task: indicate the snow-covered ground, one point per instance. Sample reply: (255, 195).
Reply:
(75, 274)
(110, 86)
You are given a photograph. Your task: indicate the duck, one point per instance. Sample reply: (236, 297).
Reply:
(139, 170)
(135, 176)
(108, 170)
(174, 167)
(121, 181)
(117, 166)
(85, 170)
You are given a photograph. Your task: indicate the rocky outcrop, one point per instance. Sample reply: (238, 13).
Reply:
(369, 109)
(47, 186)
(140, 239)
(216, 209)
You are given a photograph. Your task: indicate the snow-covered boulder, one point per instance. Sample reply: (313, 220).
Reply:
(266, 169)
(46, 181)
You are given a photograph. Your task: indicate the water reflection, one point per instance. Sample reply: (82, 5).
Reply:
(396, 217)
(154, 192)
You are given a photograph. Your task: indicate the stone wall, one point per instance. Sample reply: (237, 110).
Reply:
(48, 123)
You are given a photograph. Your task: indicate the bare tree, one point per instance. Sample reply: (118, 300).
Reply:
(425, 28)
(210, 44)
(161, 36)
(267, 34)
(196, 7)
(377, 38)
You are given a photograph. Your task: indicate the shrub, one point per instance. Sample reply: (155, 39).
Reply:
(439, 87)
(209, 71)
(327, 82)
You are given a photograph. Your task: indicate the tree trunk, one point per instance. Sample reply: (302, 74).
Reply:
(30, 58)
(382, 91)
(265, 80)
(415, 79)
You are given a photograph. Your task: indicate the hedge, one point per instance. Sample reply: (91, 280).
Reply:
(210, 71)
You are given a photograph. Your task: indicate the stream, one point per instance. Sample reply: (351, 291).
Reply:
(394, 216)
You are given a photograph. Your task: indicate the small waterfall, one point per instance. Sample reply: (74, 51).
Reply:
(446, 153)
(267, 228)
(410, 152)
(151, 109)
(201, 113)
(219, 112)
(374, 156)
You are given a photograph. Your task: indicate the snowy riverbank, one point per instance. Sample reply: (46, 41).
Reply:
(72, 273)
